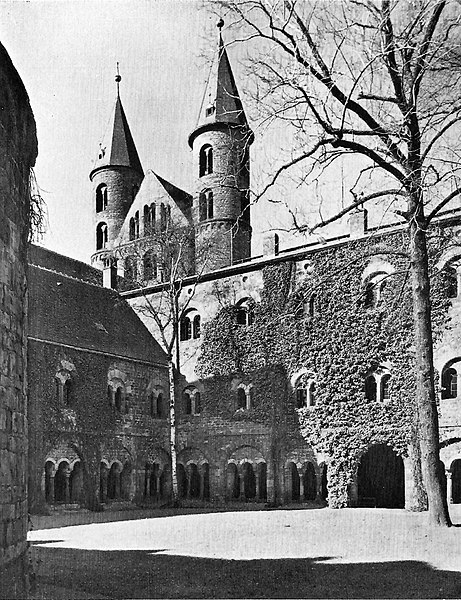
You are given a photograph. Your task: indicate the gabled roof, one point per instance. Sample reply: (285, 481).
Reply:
(118, 148)
(73, 312)
(156, 190)
(221, 102)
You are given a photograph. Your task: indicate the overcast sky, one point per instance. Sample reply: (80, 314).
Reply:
(66, 53)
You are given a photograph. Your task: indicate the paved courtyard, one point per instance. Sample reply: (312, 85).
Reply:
(318, 553)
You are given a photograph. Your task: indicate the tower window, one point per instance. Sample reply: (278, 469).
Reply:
(385, 395)
(241, 399)
(185, 329)
(209, 110)
(370, 388)
(101, 236)
(101, 197)
(149, 218)
(205, 160)
(206, 205)
(244, 313)
(196, 326)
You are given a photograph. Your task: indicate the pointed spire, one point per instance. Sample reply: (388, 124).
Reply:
(221, 101)
(118, 148)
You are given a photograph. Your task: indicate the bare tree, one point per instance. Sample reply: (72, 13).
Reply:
(376, 80)
(161, 265)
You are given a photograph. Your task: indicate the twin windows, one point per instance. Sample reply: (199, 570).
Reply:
(189, 327)
(192, 401)
(205, 160)
(116, 395)
(134, 227)
(377, 387)
(158, 407)
(305, 391)
(64, 389)
(244, 397)
(101, 197)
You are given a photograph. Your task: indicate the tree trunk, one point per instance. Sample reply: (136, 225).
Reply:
(174, 477)
(428, 427)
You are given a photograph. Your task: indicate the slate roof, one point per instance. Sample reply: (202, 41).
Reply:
(71, 311)
(118, 149)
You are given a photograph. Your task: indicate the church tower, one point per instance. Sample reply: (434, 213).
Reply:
(116, 177)
(221, 146)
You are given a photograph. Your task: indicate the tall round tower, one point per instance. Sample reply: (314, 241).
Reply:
(221, 146)
(116, 178)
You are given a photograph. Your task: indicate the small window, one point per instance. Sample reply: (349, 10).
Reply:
(136, 225)
(301, 397)
(185, 329)
(101, 236)
(101, 197)
(209, 110)
(67, 392)
(370, 388)
(132, 232)
(244, 313)
(187, 402)
(161, 409)
(311, 307)
(205, 160)
(241, 399)
(276, 244)
(119, 399)
(197, 403)
(196, 327)
(385, 395)
(449, 383)
(206, 205)
(373, 290)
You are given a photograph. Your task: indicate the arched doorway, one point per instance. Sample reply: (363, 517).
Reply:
(456, 481)
(61, 482)
(194, 483)
(233, 482)
(380, 478)
(76, 482)
(113, 482)
(182, 481)
(310, 482)
(295, 487)
(249, 481)
(262, 479)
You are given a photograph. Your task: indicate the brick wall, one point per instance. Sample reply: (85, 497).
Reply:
(18, 149)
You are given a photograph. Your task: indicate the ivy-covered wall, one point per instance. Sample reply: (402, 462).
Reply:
(314, 316)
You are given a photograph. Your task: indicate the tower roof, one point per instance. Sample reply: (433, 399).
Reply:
(118, 148)
(221, 102)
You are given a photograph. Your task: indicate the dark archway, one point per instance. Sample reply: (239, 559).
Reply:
(113, 482)
(310, 482)
(76, 482)
(60, 482)
(262, 478)
(456, 481)
(380, 478)
(182, 481)
(233, 482)
(295, 487)
(249, 481)
(194, 483)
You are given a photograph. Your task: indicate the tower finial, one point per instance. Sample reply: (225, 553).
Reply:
(118, 79)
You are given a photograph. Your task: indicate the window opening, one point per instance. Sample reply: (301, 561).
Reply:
(205, 160)
(101, 197)
(101, 236)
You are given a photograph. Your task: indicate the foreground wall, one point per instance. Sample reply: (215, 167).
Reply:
(18, 149)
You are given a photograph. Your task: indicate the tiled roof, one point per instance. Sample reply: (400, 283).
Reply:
(75, 313)
(118, 149)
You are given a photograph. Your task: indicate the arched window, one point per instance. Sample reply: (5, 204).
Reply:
(449, 383)
(101, 197)
(370, 388)
(244, 313)
(305, 391)
(205, 160)
(101, 236)
(185, 329)
(312, 303)
(161, 409)
(163, 217)
(241, 398)
(150, 266)
(132, 232)
(187, 402)
(149, 218)
(373, 289)
(119, 398)
(385, 395)
(196, 327)
(197, 403)
(136, 225)
(206, 205)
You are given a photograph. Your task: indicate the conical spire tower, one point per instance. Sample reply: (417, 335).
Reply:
(116, 177)
(221, 144)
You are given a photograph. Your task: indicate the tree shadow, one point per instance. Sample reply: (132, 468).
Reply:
(148, 574)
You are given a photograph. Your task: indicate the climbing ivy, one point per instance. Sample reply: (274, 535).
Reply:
(337, 338)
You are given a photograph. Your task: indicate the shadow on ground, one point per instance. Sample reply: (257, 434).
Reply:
(141, 574)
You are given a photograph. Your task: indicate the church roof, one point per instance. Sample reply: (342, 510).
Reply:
(221, 102)
(73, 312)
(118, 148)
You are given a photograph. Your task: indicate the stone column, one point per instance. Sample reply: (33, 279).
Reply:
(67, 489)
(242, 482)
(449, 486)
(52, 474)
(301, 483)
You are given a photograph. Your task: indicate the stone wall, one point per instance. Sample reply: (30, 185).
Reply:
(18, 149)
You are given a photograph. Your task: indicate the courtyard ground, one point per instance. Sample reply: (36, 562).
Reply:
(316, 553)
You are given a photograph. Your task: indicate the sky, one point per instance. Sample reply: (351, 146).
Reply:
(66, 53)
